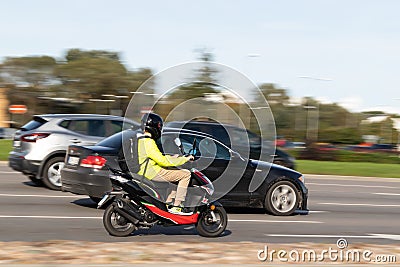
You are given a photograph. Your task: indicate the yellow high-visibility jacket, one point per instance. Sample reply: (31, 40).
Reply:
(147, 148)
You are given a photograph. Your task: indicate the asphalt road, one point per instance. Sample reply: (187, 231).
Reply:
(363, 210)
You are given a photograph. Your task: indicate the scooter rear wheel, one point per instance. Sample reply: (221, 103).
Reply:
(212, 223)
(116, 224)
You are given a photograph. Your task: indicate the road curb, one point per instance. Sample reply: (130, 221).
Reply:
(195, 253)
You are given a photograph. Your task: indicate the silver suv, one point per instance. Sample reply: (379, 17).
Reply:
(39, 147)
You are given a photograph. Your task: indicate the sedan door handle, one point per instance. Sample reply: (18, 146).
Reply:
(75, 141)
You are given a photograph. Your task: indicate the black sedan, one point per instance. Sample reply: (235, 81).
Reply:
(281, 191)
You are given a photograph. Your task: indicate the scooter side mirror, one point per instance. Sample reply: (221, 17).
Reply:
(177, 142)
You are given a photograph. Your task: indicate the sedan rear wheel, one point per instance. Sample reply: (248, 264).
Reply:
(52, 173)
(282, 198)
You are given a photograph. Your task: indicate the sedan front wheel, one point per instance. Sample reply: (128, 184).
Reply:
(282, 198)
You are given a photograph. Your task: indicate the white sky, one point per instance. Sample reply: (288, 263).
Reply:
(353, 43)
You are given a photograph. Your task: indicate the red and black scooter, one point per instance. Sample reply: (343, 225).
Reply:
(139, 203)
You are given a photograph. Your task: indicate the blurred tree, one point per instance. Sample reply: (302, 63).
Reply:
(77, 54)
(273, 94)
(138, 77)
(27, 79)
(311, 119)
(28, 72)
(204, 81)
(42, 83)
(277, 99)
(90, 77)
(383, 129)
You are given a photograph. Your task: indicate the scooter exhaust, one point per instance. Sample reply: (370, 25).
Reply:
(127, 211)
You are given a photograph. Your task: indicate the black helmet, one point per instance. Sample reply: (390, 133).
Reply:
(153, 124)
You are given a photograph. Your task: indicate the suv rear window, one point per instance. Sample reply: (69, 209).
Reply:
(86, 127)
(33, 124)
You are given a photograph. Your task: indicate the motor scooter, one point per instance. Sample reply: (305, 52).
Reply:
(139, 203)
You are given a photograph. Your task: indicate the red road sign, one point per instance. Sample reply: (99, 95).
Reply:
(17, 109)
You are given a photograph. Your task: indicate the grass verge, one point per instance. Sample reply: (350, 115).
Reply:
(5, 148)
(349, 168)
(304, 166)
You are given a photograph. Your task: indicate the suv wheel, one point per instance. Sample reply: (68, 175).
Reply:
(52, 173)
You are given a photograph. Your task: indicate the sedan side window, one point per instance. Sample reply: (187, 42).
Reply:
(114, 127)
(205, 147)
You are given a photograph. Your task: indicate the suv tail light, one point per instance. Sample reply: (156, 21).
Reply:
(32, 138)
(95, 162)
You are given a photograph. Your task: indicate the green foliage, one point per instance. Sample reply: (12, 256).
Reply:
(350, 156)
(349, 168)
(77, 54)
(45, 85)
(273, 94)
(312, 153)
(92, 77)
(30, 62)
(384, 129)
(137, 78)
(28, 71)
(339, 135)
(192, 90)
(203, 82)
(5, 148)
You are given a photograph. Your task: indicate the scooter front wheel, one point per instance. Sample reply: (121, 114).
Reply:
(116, 224)
(212, 223)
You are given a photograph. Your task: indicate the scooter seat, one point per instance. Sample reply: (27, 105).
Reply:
(152, 184)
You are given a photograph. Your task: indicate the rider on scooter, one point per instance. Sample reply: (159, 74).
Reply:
(156, 167)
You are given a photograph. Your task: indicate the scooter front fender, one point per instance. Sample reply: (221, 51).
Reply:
(215, 203)
(208, 206)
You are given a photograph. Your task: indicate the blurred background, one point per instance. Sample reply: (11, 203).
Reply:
(326, 71)
(96, 81)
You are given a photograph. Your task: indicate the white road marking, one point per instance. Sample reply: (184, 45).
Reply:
(369, 236)
(272, 221)
(387, 236)
(360, 204)
(386, 194)
(51, 196)
(323, 236)
(3, 172)
(48, 217)
(356, 185)
(317, 211)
